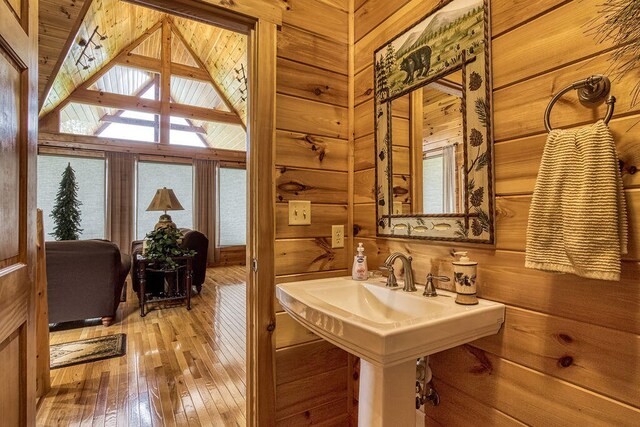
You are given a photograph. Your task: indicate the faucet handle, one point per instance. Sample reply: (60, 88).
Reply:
(392, 282)
(429, 288)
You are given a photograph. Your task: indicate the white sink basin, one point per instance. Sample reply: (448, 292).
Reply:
(388, 329)
(386, 326)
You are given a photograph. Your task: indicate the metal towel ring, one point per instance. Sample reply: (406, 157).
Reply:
(591, 90)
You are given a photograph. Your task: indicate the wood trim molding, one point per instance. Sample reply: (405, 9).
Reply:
(239, 16)
(261, 319)
(415, 152)
(94, 143)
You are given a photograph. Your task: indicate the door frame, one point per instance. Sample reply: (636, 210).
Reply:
(19, 44)
(259, 19)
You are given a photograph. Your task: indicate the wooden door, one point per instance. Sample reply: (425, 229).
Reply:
(18, 136)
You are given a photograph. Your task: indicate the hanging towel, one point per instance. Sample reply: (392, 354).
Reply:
(578, 218)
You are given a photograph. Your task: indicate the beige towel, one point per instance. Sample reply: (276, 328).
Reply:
(578, 219)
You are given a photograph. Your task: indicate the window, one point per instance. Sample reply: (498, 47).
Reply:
(152, 176)
(432, 173)
(90, 177)
(232, 207)
(183, 132)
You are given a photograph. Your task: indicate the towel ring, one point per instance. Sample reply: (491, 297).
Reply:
(591, 90)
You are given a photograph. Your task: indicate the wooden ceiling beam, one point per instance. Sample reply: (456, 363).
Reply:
(154, 65)
(94, 143)
(199, 113)
(133, 103)
(113, 118)
(165, 82)
(114, 100)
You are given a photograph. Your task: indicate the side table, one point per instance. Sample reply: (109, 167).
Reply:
(185, 264)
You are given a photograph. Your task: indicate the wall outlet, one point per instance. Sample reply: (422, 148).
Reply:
(337, 236)
(299, 212)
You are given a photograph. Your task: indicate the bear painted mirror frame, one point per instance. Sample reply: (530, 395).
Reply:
(468, 21)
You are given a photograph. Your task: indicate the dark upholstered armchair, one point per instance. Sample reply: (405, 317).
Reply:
(193, 240)
(85, 279)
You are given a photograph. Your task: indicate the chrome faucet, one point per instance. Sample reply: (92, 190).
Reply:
(409, 284)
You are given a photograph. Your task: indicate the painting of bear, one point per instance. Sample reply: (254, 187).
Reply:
(417, 61)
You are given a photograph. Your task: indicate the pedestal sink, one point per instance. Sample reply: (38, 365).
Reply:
(388, 329)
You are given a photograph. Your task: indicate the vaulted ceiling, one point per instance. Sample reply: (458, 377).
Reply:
(130, 36)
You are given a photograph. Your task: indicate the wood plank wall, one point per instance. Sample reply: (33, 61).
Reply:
(568, 352)
(312, 147)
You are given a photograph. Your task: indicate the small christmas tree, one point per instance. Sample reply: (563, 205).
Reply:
(66, 212)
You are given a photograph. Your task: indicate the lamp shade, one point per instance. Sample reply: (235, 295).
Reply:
(165, 200)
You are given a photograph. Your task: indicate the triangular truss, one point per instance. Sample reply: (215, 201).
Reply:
(161, 50)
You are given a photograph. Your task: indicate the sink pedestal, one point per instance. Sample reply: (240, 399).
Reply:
(387, 395)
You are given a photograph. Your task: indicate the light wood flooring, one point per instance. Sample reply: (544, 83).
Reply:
(181, 367)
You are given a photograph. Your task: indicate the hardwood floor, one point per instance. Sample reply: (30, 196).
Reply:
(181, 367)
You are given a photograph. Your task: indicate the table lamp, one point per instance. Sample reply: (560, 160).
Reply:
(165, 200)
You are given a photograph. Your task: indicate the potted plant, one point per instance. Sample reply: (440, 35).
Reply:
(162, 245)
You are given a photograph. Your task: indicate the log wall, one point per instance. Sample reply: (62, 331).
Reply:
(568, 352)
(312, 163)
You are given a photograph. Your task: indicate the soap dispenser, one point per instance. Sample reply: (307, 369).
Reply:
(464, 275)
(360, 271)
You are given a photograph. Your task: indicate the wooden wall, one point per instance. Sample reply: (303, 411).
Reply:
(312, 148)
(568, 352)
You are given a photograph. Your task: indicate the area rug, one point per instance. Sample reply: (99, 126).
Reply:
(89, 350)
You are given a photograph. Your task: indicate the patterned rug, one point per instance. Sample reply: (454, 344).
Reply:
(89, 350)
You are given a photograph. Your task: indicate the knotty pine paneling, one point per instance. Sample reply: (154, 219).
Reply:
(322, 218)
(307, 255)
(308, 151)
(566, 350)
(364, 152)
(297, 362)
(319, 18)
(363, 85)
(372, 12)
(289, 332)
(311, 49)
(508, 14)
(312, 83)
(363, 119)
(512, 214)
(364, 221)
(331, 414)
(519, 159)
(311, 160)
(459, 409)
(602, 359)
(525, 394)
(519, 109)
(302, 115)
(515, 61)
(316, 186)
(364, 190)
(309, 392)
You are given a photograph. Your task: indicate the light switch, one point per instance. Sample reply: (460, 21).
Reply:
(337, 236)
(299, 212)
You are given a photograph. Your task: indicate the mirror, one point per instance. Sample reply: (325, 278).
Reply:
(433, 128)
